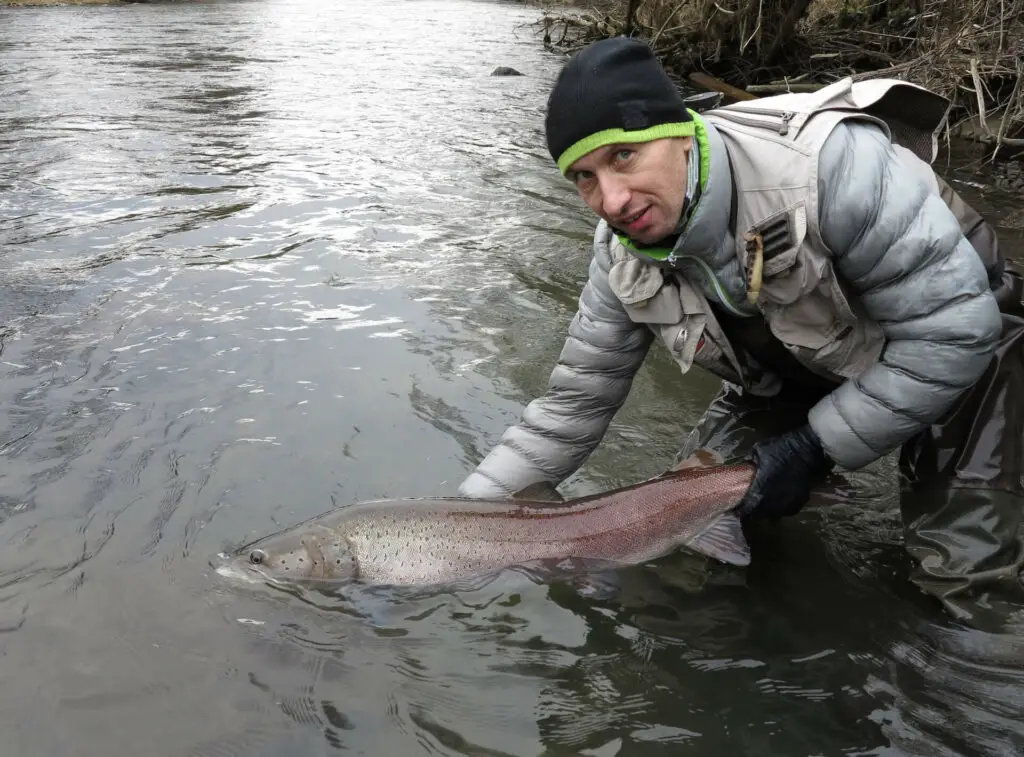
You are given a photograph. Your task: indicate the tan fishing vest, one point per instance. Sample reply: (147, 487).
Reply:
(773, 146)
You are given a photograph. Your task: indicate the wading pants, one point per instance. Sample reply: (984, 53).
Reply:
(961, 494)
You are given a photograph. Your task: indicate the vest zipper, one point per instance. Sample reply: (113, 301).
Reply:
(713, 282)
(785, 116)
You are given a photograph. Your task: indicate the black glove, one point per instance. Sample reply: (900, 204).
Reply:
(787, 467)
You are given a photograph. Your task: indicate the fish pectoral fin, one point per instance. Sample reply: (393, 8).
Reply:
(723, 540)
(603, 585)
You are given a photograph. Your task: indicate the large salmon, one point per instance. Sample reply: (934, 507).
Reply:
(410, 542)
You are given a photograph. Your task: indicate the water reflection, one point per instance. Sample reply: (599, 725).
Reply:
(954, 691)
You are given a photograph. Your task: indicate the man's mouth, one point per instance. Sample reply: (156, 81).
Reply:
(636, 220)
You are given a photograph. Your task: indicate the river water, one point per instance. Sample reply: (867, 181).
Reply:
(259, 259)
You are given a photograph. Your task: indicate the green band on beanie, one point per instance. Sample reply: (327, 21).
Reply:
(661, 253)
(615, 136)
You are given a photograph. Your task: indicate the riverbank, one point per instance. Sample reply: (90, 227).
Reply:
(971, 51)
(28, 3)
(60, 2)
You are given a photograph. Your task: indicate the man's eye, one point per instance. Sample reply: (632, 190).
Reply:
(624, 154)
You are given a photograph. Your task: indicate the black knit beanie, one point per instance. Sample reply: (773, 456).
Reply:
(612, 91)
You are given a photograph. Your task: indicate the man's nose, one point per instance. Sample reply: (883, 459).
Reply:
(615, 195)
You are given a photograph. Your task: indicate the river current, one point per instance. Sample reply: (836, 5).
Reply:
(263, 258)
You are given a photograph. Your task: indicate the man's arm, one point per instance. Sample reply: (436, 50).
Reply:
(589, 383)
(902, 253)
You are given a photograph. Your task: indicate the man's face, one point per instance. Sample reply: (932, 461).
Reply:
(637, 188)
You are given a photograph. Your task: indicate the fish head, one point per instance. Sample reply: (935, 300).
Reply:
(294, 556)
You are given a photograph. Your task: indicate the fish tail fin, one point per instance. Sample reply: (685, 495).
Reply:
(724, 540)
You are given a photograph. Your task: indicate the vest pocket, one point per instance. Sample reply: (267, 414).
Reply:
(851, 353)
(810, 322)
(772, 247)
(663, 307)
(823, 330)
(806, 306)
(665, 315)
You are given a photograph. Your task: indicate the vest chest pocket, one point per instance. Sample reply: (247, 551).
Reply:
(658, 301)
(646, 294)
(665, 316)
(811, 322)
(663, 309)
(770, 250)
(823, 330)
(803, 301)
(794, 284)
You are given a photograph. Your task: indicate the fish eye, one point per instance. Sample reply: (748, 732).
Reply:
(257, 556)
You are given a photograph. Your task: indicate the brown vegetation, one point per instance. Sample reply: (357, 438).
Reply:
(58, 2)
(971, 51)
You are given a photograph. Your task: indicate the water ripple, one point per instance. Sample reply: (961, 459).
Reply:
(261, 259)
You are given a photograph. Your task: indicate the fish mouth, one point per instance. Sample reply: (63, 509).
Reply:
(229, 568)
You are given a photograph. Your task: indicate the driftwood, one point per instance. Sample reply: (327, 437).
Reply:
(717, 85)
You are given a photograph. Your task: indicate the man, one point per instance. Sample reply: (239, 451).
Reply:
(801, 249)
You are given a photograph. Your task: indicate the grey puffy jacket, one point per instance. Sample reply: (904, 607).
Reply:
(894, 240)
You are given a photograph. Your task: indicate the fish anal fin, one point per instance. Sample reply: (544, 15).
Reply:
(723, 540)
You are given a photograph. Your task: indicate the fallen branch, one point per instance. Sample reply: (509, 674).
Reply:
(717, 85)
(782, 87)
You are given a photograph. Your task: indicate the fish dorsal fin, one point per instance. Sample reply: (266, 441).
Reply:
(723, 540)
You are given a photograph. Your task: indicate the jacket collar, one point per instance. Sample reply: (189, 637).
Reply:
(708, 225)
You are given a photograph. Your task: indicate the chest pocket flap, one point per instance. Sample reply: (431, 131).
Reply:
(799, 294)
(644, 292)
(770, 251)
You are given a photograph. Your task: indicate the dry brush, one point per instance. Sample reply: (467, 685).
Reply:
(971, 51)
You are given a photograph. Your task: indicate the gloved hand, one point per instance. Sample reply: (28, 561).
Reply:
(787, 467)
